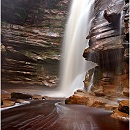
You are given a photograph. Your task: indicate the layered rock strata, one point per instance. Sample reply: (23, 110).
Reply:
(108, 47)
(31, 40)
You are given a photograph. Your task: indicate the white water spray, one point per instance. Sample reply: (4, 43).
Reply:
(74, 66)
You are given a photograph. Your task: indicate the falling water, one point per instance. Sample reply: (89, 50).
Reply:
(74, 66)
(91, 83)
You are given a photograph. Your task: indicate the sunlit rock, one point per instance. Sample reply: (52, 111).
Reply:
(120, 115)
(124, 106)
(86, 99)
(122, 112)
(7, 103)
(110, 106)
(37, 97)
(20, 101)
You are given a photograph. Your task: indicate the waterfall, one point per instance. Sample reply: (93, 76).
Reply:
(91, 83)
(73, 65)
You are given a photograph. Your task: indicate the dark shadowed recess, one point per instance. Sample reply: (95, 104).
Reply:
(17, 11)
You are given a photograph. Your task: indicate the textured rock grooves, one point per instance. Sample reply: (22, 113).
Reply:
(31, 40)
(108, 47)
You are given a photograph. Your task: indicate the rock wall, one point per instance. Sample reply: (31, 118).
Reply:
(31, 36)
(108, 47)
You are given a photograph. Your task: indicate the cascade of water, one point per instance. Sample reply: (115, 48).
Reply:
(91, 83)
(73, 64)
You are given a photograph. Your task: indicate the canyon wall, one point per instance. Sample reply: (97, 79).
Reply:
(108, 47)
(31, 38)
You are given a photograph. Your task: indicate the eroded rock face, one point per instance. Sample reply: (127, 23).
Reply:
(108, 47)
(105, 34)
(31, 40)
(108, 83)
